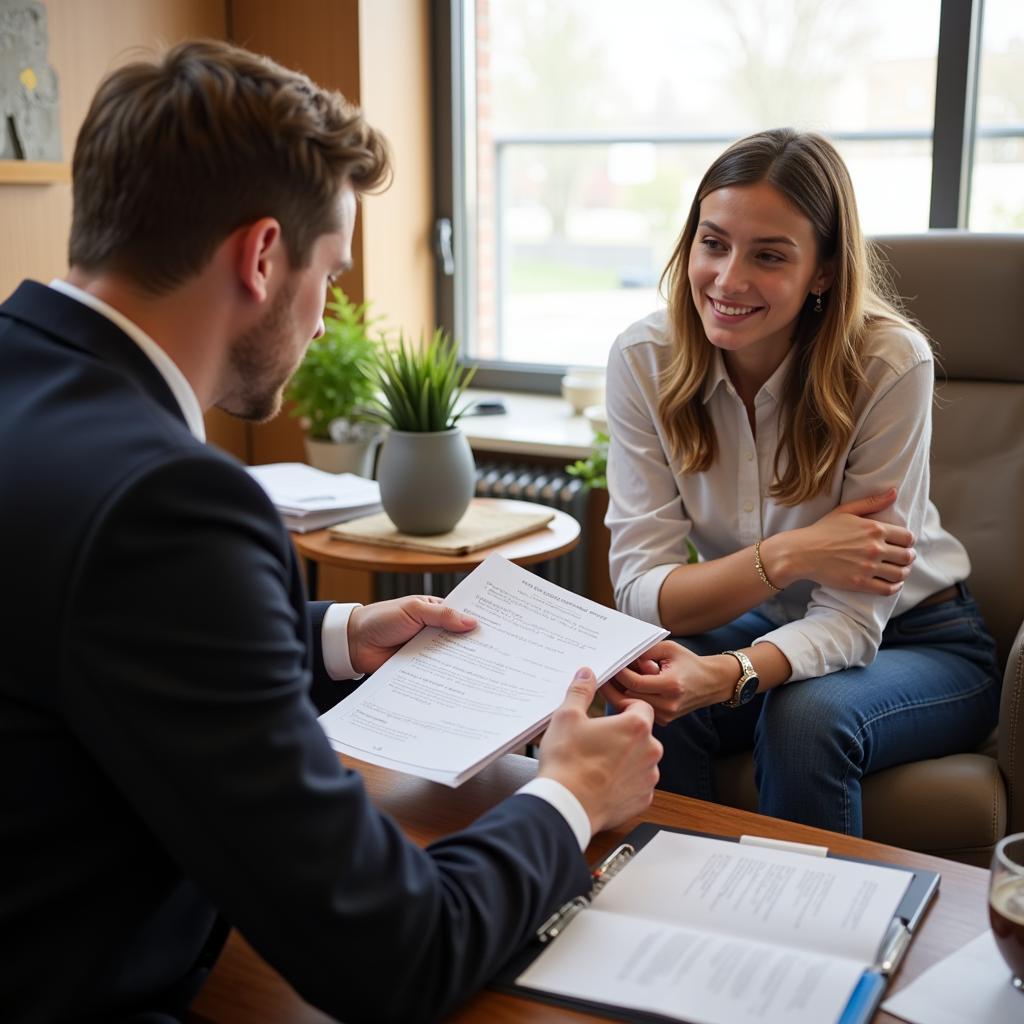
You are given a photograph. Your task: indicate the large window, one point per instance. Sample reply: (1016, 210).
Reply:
(581, 127)
(997, 177)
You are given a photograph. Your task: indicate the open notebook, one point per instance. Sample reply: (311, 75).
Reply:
(682, 926)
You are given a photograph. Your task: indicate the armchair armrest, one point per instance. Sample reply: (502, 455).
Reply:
(1011, 734)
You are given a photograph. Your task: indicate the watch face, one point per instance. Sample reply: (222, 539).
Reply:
(749, 691)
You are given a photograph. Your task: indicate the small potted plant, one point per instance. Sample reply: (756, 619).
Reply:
(426, 469)
(333, 383)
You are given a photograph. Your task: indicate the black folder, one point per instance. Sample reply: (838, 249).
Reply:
(863, 1002)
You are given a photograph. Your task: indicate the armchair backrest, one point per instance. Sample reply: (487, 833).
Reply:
(967, 291)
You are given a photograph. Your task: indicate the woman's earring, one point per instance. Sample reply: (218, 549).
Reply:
(817, 304)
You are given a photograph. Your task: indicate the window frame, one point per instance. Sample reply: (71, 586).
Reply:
(953, 135)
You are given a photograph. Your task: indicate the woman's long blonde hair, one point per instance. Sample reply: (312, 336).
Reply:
(818, 402)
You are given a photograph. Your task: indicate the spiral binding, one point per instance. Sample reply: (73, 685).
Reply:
(601, 876)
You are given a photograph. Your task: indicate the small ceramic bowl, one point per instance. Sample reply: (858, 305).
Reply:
(581, 392)
(597, 418)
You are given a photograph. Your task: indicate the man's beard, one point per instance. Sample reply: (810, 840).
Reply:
(256, 362)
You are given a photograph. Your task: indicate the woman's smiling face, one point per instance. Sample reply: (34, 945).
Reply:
(753, 262)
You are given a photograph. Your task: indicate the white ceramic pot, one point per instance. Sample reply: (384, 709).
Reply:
(343, 456)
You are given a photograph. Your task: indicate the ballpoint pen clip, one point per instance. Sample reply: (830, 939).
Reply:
(894, 947)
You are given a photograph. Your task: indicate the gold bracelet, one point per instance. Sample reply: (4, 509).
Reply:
(759, 566)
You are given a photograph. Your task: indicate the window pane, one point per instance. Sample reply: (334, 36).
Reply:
(593, 127)
(997, 177)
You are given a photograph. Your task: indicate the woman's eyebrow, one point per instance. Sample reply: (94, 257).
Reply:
(767, 240)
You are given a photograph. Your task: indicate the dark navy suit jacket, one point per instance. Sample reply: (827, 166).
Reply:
(160, 758)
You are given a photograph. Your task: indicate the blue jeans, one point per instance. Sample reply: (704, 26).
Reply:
(932, 690)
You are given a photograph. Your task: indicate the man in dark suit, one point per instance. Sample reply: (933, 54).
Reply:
(161, 766)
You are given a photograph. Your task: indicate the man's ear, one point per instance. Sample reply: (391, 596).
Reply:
(259, 256)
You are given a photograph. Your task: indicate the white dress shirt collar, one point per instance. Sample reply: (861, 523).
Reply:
(165, 366)
(719, 375)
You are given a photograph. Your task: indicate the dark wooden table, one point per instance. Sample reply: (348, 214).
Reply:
(244, 990)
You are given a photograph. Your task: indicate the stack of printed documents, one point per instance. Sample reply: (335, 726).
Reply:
(447, 704)
(309, 499)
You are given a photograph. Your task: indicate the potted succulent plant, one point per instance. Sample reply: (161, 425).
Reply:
(333, 383)
(426, 470)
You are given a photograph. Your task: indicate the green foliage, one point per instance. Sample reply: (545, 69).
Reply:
(337, 376)
(593, 470)
(420, 384)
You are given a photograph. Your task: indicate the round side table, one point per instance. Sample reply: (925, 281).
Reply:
(558, 537)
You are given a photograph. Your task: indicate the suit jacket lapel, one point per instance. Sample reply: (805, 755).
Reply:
(75, 325)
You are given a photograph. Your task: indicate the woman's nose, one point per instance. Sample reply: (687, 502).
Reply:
(731, 276)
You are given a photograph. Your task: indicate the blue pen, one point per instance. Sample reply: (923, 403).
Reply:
(864, 999)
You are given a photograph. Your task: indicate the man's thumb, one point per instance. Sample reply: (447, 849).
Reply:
(581, 689)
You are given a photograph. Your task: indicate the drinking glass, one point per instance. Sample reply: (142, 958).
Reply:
(1006, 904)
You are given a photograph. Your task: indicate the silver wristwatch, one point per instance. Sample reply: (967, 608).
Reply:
(746, 685)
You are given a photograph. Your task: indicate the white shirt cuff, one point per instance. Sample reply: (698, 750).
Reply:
(564, 801)
(334, 642)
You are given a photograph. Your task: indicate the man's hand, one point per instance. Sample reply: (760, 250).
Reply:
(376, 631)
(609, 764)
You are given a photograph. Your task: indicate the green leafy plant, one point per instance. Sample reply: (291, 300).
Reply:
(337, 377)
(593, 470)
(420, 385)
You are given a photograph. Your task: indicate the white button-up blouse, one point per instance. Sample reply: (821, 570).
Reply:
(653, 506)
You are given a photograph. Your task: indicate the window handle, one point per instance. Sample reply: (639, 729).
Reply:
(443, 245)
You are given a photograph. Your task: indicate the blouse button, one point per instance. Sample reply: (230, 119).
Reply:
(748, 506)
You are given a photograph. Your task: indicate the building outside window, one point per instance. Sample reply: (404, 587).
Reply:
(581, 129)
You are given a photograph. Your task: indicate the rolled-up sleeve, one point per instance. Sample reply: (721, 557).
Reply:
(648, 523)
(842, 628)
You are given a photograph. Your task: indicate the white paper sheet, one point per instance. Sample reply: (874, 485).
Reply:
(449, 703)
(970, 987)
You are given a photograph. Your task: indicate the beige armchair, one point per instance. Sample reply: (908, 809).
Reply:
(967, 291)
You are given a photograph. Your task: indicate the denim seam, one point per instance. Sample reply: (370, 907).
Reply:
(906, 627)
(916, 706)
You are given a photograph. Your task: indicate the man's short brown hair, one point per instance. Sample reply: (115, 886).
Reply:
(176, 154)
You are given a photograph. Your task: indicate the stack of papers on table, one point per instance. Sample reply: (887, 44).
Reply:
(310, 499)
(447, 704)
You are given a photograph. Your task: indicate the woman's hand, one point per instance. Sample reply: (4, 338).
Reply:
(673, 680)
(844, 550)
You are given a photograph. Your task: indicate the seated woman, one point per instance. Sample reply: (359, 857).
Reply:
(778, 415)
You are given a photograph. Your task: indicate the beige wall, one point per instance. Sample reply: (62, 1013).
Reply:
(376, 52)
(88, 38)
(398, 272)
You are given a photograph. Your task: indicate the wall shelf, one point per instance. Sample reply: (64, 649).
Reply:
(34, 172)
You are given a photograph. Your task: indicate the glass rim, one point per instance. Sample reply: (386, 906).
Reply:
(1001, 856)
